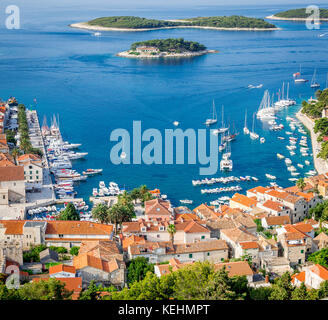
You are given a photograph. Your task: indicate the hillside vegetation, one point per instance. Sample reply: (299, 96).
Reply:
(166, 45)
(300, 13)
(131, 22)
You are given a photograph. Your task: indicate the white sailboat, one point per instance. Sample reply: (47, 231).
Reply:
(252, 134)
(266, 111)
(297, 76)
(223, 129)
(214, 119)
(246, 130)
(314, 83)
(226, 163)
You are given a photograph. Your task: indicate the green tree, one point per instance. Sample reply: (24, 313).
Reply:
(69, 213)
(91, 293)
(119, 213)
(300, 293)
(51, 289)
(171, 229)
(282, 288)
(320, 257)
(74, 251)
(300, 183)
(138, 269)
(101, 213)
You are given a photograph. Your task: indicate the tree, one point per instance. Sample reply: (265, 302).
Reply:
(323, 290)
(51, 289)
(91, 293)
(69, 213)
(101, 213)
(15, 153)
(74, 251)
(138, 269)
(119, 213)
(320, 257)
(300, 183)
(282, 288)
(300, 293)
(171, 230)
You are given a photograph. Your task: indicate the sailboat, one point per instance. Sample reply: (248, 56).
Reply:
(223, 128)
(226, 163)
(223, 144)
(298, 78)
(246, 131)
(252, 134)
(214, 119)
(314, 83)
(230, 137)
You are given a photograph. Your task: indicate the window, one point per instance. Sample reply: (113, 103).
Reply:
(203, 237)
(302, 251)
(190, 255)
(299, 261)
(30, 167)
(37, 177)
(37, 171)
(158, 236)
(3, 197)
(208, 253)
(222, 259)
(61, 235)
(31, 172)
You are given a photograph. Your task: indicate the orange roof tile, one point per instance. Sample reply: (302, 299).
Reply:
(237, 268)
(61, 268)
(249, 245)
(319, 270)
(14, 173)
(245, 201)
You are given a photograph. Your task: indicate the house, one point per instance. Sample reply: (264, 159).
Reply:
(274, 221)
(33, 170)
(297, 204)
(268, 248)
(157, 252)
(312, 276)
(277, 265)
(158, 208)
(217, 225)
(28, 233)
(71, 233)
(294, 247)
(147, 49)
(237, 239)
(319, 182)
(131, 240)
(48, 256)
(173, 265)
(156, 230)
(3, 144)
(237, 268)
(12, 185)
(257, 192)
(6, 160)
(205, 212)
(100, 261)
(62, 271)
(10, 250)
(274, 208)
(53, 233)
(320, 241)
(242, 202)
(71, 284)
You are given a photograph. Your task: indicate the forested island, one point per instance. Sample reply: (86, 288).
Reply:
(131, 23)
(297, 14)
(159, 48)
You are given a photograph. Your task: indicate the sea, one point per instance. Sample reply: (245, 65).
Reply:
(77, 76)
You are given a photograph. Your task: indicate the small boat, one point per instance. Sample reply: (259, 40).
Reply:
(269, 176)
(176, 123)
(97, 34)
(307, 162)
(102, 184)
(186, 201)
(252, 134)
(246, 130)
(300, 165)
(91, 172)
(281, 138)
(280, 156)
(255, 179)
(297, 77)
(262, 140)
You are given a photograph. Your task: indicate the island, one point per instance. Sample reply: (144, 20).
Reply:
(131, 23)
(298, 15)
(165, 48)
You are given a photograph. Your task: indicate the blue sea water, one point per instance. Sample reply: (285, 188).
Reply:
(79, 77)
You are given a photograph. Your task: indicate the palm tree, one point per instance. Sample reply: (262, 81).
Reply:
(101, 213)
(119, 213)
(125, 198)
(15, 153)
(300, 183)
(171, 230)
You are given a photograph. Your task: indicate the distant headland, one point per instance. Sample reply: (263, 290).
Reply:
(131, 23)
(297, 15)
(165, 48)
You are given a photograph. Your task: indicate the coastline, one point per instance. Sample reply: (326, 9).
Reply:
(319, 164)
(126, 54)
(273, 17)
(86, 26)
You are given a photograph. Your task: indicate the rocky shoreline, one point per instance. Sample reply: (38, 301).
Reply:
(273, 17)
(319, 164)
(127, 54)
(86, 26)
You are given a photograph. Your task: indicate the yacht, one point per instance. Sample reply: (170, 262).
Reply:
(269, 176)
(91, 172)
(314, 83)
(186, 201)
(246, 130)
(280, 156)
(252, 134)
(262, 140)
(214, 119)
(226, 163)
(297, 77)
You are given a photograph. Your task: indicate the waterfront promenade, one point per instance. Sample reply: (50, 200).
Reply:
(319, 164)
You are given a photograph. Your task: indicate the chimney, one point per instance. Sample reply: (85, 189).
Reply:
(266, 279)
